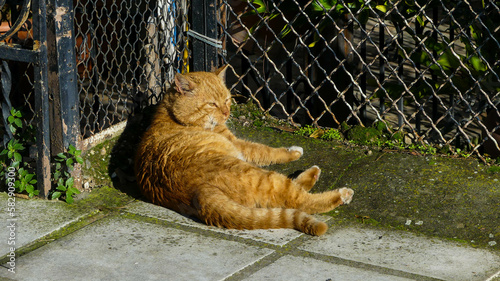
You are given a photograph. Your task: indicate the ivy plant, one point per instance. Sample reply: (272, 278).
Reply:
(26, 183)
(14, 151)
(64, 164)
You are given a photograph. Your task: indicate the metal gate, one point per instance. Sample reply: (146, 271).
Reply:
(76, 68)
(24, 59)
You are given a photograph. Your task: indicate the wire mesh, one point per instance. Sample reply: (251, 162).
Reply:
(429, 68)
(127, 52)
(21, 95)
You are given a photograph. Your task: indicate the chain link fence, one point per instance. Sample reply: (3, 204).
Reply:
(20, 94)
(127, 53)
(429, 68)
(76, 68)
(426, 68)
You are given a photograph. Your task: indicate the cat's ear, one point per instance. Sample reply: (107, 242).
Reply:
(183, 85)
(221, 72)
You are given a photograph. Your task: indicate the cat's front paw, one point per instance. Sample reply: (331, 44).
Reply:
(296, 151)
(346, 195)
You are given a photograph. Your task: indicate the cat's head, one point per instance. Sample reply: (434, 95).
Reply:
(201, 99)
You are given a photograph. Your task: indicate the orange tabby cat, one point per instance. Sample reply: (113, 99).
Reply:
(190, 162)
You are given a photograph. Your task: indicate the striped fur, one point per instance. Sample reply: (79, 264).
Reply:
(190, 162)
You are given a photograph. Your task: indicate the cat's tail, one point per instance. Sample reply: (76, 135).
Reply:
(218, 210)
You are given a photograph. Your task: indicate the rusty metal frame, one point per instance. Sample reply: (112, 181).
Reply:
(38, 56)
(54, 77)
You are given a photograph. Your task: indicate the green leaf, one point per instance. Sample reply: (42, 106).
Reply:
(71, 149)
(478, 64)
(70, 182)
(56, 195)
(475, 33)
(382, 8)
(284, 32)
(69, 199)
(324, 5)
(259, 7)
(74, 190)
(18, 146)
(28, 177)
(61, 187)
(18, 123)
(449, 61)
(16, 113)
(79, 159)
(30, 189)
(12, 143)
(57, 174)
(61, 155)
(420, 20)
(18, 157)
(78, 152)
(69, 162)
(19, 185)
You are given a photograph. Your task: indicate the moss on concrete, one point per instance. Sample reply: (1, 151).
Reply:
(95, 164)
(451, 198)
(103, 198)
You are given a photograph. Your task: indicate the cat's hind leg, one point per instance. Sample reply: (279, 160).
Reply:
(215, 208)
(308, 178)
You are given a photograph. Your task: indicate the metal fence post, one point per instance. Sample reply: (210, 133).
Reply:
(42, 99)
(204, 33)
(65, 108)
(62, 76)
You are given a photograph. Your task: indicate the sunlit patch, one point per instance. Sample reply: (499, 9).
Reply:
(211, 122)
(241, 157)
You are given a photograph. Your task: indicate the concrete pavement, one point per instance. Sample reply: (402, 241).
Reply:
(141, 241)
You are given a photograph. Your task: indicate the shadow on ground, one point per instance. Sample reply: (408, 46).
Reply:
(121, 162)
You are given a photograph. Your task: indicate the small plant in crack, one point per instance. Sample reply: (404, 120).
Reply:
(64, 181)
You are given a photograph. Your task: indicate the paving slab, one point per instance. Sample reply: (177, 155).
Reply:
(33, 219)
(117, 248)
(407, 252)
(277, 237)
(302, 268)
